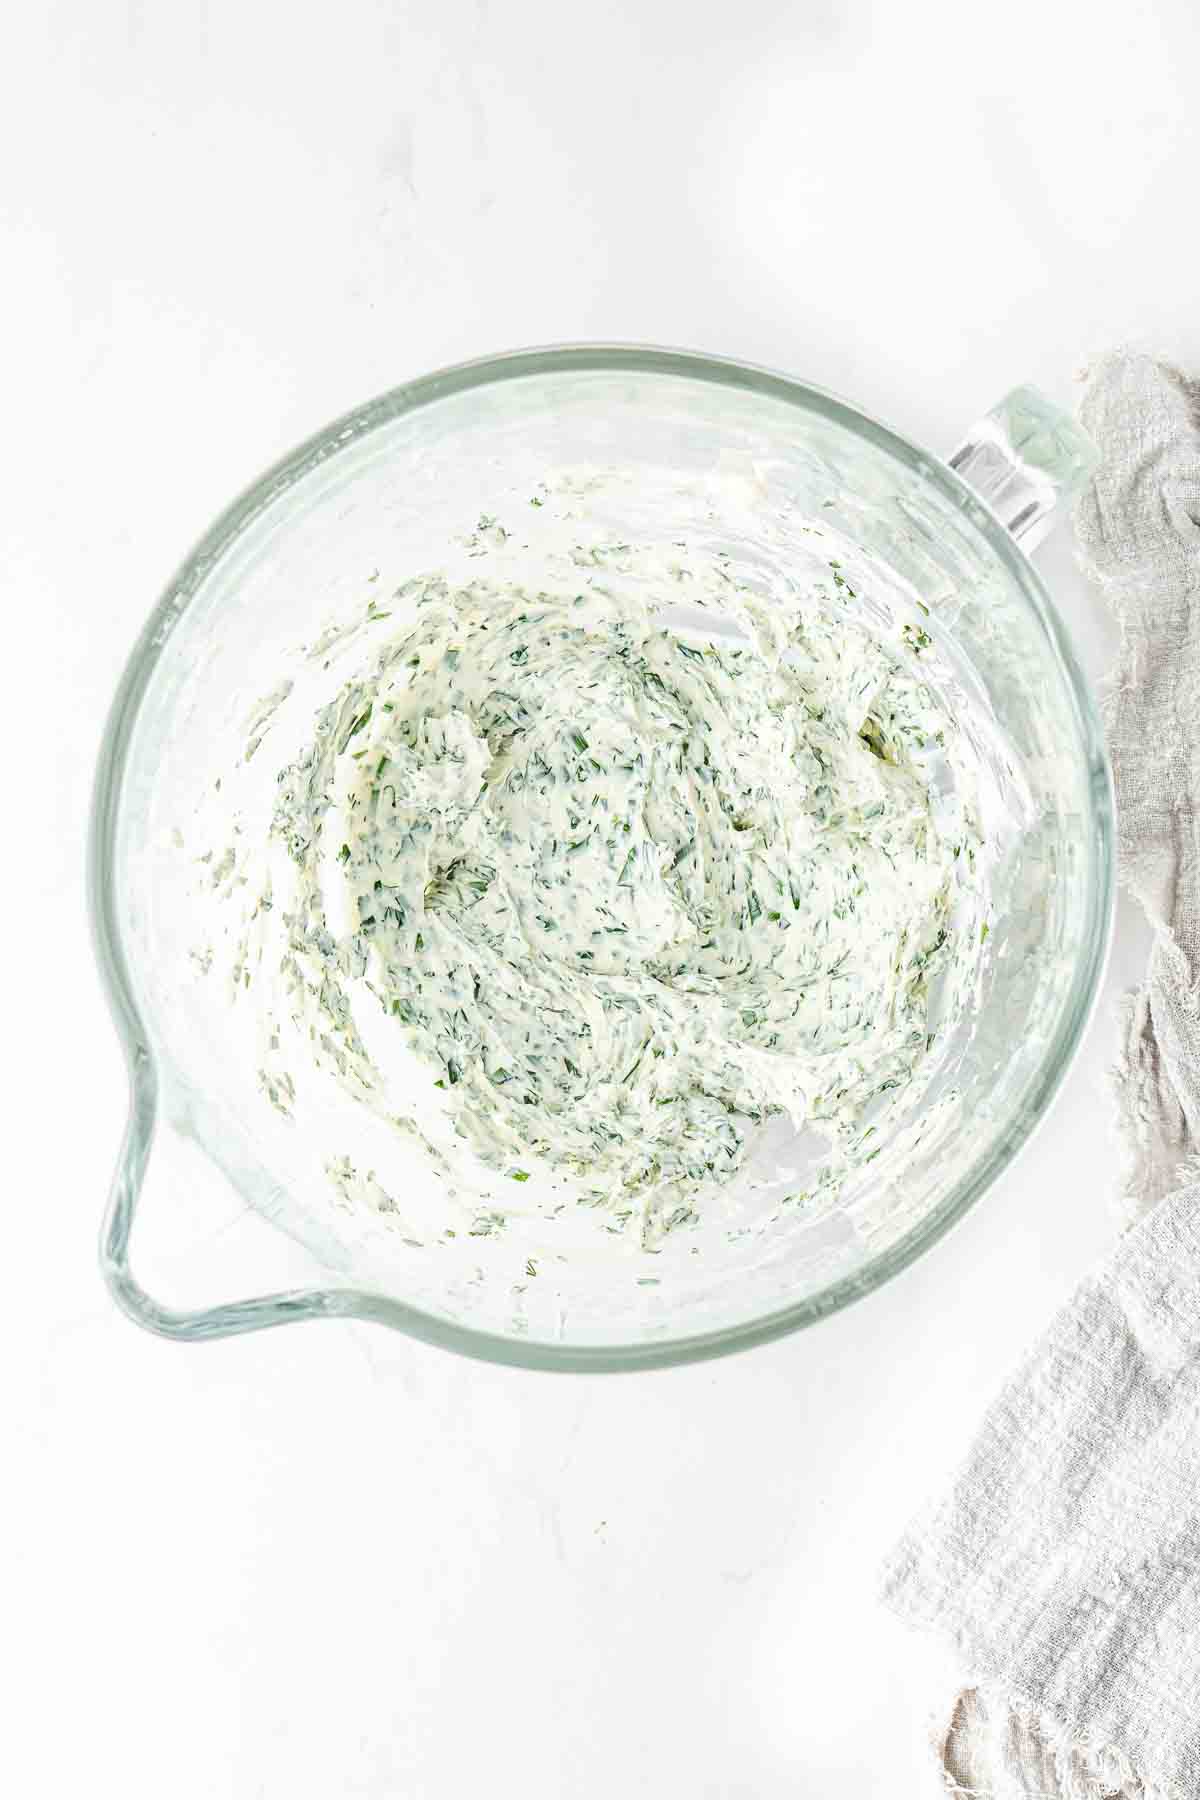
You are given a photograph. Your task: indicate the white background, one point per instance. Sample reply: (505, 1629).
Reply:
(326, 1561)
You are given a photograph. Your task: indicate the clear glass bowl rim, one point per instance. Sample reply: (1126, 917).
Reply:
(347, 1302)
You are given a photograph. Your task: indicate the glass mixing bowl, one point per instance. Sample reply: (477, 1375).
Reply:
(772, 472)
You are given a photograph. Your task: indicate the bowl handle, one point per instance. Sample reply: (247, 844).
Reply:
(194, 1324)
(1027, 459)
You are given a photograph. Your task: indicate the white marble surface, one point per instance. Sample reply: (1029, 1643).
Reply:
(325, 1561)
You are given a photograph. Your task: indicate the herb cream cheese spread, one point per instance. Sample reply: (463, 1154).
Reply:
(616, 888)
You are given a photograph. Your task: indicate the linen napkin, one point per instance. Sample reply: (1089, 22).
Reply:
(1064, 1564)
